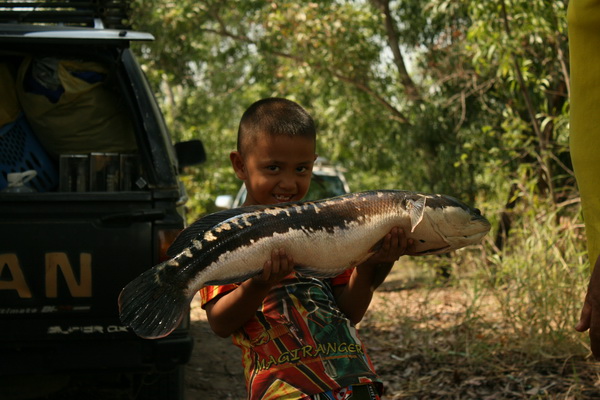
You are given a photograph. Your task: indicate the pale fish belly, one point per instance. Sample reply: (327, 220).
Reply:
(324, 252)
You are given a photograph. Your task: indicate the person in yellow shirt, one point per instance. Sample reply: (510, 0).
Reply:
(583, 19)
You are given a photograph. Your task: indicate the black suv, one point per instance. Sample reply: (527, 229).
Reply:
(89, 198)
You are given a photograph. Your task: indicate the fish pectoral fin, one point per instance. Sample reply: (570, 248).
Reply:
(416, 211)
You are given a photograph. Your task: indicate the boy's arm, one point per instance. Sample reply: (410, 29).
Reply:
(228, 313)
(354, 298)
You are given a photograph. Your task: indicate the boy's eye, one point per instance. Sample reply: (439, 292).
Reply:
(301, 169)
(273, 168)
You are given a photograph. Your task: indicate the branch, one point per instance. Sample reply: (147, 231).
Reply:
(524, 91)
(396, 114)
(394, 42)
(543, 143)
(563, 66)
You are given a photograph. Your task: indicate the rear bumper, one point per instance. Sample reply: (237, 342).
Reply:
(89, 356)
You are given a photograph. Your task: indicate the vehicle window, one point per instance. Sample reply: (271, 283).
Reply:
(323, 186)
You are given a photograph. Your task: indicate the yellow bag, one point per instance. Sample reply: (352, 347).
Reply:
(88, 117)
(9, 104)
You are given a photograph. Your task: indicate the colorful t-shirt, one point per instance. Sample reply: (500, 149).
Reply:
(299, 343)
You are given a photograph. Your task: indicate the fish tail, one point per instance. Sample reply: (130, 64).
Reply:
(151, 308)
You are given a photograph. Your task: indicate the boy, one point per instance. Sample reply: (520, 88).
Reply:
(296, 333)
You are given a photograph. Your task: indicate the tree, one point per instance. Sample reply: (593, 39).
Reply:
(462, 97)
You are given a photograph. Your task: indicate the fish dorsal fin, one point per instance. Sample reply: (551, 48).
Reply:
(185, 237)
(417, 211)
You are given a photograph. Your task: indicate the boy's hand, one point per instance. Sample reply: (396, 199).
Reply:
(278, 267)
(590, 313)
(394, 245)
(229, 312)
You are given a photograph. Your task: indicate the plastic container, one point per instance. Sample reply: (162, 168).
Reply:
(17, 182)
(20, 151)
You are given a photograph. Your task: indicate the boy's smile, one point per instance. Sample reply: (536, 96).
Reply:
(275, 168)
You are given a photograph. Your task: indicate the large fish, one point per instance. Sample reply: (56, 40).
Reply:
(324, 238)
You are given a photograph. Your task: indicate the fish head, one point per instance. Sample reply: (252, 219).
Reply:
(441, 224)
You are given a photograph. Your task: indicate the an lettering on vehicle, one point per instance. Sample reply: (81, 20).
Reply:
(78, 280)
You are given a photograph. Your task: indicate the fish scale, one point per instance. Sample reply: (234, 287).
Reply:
(323, 237)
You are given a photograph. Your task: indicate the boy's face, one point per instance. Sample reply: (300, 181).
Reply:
(275, 169)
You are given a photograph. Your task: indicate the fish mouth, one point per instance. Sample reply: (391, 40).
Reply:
(433, 251)
(476, 237)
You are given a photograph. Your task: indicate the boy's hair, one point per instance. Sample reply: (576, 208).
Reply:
(274, 116)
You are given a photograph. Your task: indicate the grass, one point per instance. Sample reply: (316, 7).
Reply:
(501, 327)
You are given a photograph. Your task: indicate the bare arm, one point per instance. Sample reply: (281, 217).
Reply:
(355, 297)
(231, 311)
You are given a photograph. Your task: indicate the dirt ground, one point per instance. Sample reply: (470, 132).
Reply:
(423, 360)
(215, 369)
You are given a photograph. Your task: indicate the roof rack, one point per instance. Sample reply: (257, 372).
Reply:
(100, 14)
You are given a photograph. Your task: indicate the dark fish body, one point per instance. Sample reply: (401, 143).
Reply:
(324, 238)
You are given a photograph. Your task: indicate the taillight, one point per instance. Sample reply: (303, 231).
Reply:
(165, 237)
